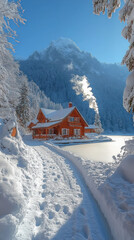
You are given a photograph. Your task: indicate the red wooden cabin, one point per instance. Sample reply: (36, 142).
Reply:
(66, 123)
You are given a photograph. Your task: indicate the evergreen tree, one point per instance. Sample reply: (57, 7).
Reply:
(22, 109)
(97, 123)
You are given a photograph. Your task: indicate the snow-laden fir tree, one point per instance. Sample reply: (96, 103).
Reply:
(23, 108)
(9, 70)
(97, 123)
(126, 14)
(39, 100)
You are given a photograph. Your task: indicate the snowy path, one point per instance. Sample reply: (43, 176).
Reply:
(61, 207)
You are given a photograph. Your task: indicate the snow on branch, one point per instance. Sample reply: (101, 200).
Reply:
(9, 11)
(102, 5)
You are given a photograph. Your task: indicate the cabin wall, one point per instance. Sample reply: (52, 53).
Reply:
(90, 131)
(78, 124)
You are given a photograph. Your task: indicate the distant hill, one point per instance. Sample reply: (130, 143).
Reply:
(53, 69)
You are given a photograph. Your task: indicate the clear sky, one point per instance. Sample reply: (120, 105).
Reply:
(49, 20)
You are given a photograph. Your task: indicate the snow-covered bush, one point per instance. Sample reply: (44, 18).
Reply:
(126, 168)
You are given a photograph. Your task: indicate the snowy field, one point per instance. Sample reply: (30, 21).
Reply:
(100, 151)
(49, 193)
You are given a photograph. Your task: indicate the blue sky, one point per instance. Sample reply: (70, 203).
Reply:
(49, 20)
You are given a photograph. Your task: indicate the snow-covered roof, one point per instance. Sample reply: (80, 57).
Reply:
(91, 127)
(45, 125)
(34, 121)
(46, 111)
(55, 115)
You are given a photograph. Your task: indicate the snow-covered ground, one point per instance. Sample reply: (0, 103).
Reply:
(44, 197)
(45, 194)
(104, 150)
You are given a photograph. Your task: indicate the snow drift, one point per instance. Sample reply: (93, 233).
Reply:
(15, 185)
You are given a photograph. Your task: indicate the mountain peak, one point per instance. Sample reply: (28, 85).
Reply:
(64, 44)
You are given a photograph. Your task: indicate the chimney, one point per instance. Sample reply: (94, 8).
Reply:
(70, 104)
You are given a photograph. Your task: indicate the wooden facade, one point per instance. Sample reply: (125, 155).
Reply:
(70, 125)
(91, 129)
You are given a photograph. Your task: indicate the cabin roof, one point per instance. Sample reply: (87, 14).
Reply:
(34, 121)
(56, 115)
(46, 125)
(46, 111)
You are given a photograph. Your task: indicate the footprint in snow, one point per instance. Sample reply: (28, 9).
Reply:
(51, 215)
(44, 180)
(52, 194)
(58, 176)
(80, 195)
(43, 195)
(53, 174)
(42, 206)
(38, 221)
(44, 186)
(57, 207)
(65, 209)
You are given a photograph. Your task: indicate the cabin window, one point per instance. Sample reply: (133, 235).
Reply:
(65, 131)
(74, 119)
(77, 132)
(71, 119)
